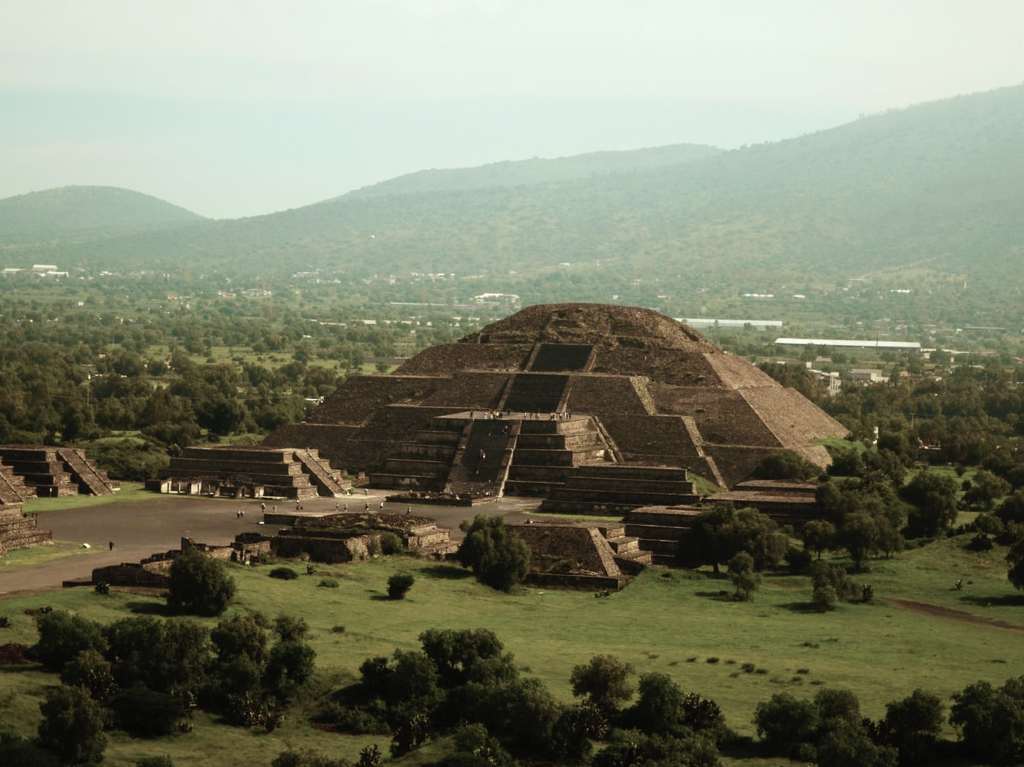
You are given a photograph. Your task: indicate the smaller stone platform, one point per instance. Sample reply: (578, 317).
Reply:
(50, 472)
(18, 530)
(787, 503)
(251, 472)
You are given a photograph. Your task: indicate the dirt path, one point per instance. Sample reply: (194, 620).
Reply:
(956, 615)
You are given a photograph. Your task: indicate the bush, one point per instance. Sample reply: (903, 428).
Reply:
(102, 588)
(290, 666)
(824, 598)
(496, 555)
(786, 465)
(799, 560)
(1015, 560)
(399, 585)
(604, 682)
(72, 726)
(743, 577)
(327, 583)
(22, 752)
(785, 723)
(90, 671)
(147, 714)
(199, 585)
(913, 725)
(290, 628)
(284, 574)
(391, 544)
(991, 721)
(62, 636)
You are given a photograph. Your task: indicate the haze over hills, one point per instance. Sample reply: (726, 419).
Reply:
(937, 184)
(77, 212)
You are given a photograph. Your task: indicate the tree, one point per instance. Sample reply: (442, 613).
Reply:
(290, 666)
(859, 535)
(933, 497)
(847, 745)
(22, 752)
(474, 746)
(90, 671)
(496, 555)
(604, 682)
(399, 585)
(986, 488)
(1015, 559)
(991, 721)
(913, 725)
(1012, 508)
(72, 726)
(818, 536)
(659, 705)
(786, 464)
(462, 656)
(147, 713)
(199, 585)
(784, 723)
(62, 636)
(290, 628)
(741, 572)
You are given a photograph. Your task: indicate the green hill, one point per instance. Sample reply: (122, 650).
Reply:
(937, 184)
(85, 212)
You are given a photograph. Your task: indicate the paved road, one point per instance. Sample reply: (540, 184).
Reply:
(141, 528)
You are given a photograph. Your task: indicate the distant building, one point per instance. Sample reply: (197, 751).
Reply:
(707, 322)
(44, 267)
(502, 299)
(830, 380)
(867, 376)
(842, 343)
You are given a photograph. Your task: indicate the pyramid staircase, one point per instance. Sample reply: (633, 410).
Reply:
(91, 481)
(322, 476)
(13, 489)
(660, 530)
(612, 488)
(548, 450)
(18, 531)
(536, 393)
(41, 468)
(424, 461)
(629, 556)
(481, 463)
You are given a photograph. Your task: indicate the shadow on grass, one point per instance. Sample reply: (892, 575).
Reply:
(384, 598)
(446, 572)
(717, 596)
(801, 607)
(1007, 600)
(151, 608)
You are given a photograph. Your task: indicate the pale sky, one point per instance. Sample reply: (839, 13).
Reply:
(240, 107)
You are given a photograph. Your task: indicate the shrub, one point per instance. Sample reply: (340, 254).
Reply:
(1015, 560)
(284, 574)
(742, 575)
(818, 535)
(148, 714)
(786, 465)
(824, 597)
(913, 725)
(290, 666)
(328, 583)
(604, 682)
(72, 726)
(199, 585)
(496, 555)
(90, 671)
(391, 544)
(399, 585)
(784, 723)
(102, 588)
(991, 721)
(22, 752)
(290, 628)
(474, 745)
(468, 655)
(63, 635)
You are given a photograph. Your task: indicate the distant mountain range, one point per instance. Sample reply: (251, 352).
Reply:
(939, 185)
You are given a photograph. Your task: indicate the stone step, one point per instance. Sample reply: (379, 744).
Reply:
(629, 485)
(624, 544)
(656, 531)
(668, 516)
(529, 488)
(616, 531)
(415, 466)
(628, 498)
(660, 546)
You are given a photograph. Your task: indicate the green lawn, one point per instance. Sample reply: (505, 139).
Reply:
(38, 555)
(672, 621)
(130, 491)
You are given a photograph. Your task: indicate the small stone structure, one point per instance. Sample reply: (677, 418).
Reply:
(50, 472)
(251, 472)
(788, 503)
(19, 531)
(579, 556)
(348, 536)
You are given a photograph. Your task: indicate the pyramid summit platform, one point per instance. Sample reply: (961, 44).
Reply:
(584, 402)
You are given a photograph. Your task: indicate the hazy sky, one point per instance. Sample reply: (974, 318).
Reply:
(242, 107)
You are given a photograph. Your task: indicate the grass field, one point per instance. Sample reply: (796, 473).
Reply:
(672, 621)
(130, 491)
(38, 555)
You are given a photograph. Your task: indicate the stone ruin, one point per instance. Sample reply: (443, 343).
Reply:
(348, 536)
(251, 472)
(51, 472)
(18, 530)
(594, 408)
